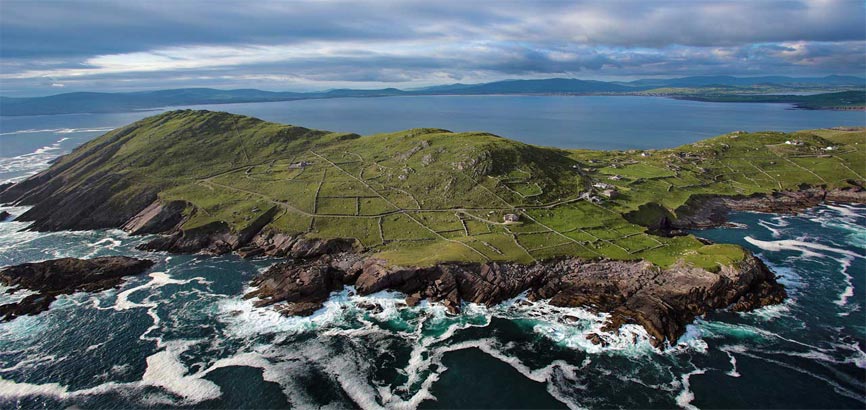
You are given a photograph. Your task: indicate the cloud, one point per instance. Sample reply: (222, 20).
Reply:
(120, 45)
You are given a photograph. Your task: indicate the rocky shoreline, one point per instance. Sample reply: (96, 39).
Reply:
(64, 276)
(709, 211)
(663, 301)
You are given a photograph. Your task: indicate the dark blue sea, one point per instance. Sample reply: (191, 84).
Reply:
(181, 336)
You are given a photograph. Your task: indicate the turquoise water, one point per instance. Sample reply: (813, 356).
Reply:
(182, 336)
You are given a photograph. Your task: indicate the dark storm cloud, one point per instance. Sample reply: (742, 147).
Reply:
(282, 45)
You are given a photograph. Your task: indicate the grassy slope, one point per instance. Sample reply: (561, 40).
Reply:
(425, 195)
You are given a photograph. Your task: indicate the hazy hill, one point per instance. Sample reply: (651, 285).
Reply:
(546, 86)
(708, 81)
(90, 102)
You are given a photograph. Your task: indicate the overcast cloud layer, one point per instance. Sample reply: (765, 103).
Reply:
(48, 47)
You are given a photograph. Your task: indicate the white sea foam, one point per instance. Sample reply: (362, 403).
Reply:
(685, 397)
(13, 390)
(730, 350)
(32, 163)
(58, 131)
(771, 312)
(165, 370)
(860, 396)
(847, 211)
(774, 225)
(857, 357)
(691, 340)
(806, 248)
(849, 284)
(158, 280)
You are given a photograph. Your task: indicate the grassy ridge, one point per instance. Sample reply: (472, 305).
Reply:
(423, 196)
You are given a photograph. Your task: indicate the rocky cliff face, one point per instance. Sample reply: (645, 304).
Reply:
(64, 276)
(99, 198)
(707, 211)
(663, 301)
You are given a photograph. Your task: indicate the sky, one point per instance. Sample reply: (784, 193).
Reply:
(49, 47)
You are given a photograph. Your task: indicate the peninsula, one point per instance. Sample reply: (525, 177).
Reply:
(450, 217)
(822, 93)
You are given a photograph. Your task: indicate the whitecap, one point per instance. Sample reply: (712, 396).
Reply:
(31, 163)
(57, 130)
(806, 248)
(165, 370)
(849, 284)
(685, 397)
(847, 211)
(771, 312)
(730, 350)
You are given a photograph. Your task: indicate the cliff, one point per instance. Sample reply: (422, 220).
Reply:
(450, 217)
(663, 301)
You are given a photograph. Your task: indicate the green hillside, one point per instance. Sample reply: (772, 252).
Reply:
(422, 196)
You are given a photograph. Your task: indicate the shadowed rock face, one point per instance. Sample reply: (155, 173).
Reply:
(711, 211)
(663, 301)
(64, 276)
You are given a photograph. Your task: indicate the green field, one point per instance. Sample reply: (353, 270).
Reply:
(424, 196)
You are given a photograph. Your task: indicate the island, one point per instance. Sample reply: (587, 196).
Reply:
(450, 217)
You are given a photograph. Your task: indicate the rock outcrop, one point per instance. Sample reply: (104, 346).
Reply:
(663, 301)
(707, 211)
(99, 198)
(218, 239)
(64, 276)
(157, 218)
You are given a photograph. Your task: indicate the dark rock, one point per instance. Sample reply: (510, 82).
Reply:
(214, 238)
(296, 283)
(370, 307)
(663, 301)
(64, 276)
(5, 216)
(300, 308)
(708, 211)
(311, 248)
(157, 218)
(595, 339)
(413, 299)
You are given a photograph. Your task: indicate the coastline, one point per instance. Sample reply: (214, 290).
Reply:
(662, 301)
(662, 289)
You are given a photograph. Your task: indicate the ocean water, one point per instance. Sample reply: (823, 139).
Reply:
(181, 335)
(594, 122)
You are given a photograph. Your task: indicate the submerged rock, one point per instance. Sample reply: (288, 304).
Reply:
(64, 276)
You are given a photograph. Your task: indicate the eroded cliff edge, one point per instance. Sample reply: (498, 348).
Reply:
(663, 301)
(217, 183)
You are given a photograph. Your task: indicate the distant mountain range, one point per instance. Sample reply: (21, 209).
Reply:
(728, 81)
(91, 102)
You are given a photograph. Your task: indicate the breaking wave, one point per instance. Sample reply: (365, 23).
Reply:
(164, 339)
